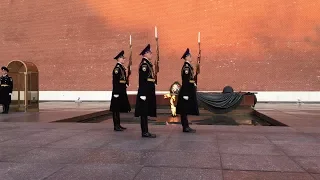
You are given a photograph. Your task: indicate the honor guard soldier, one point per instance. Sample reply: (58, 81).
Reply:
(146, 104)
(5, 89)
(187, 99)
(119, 99)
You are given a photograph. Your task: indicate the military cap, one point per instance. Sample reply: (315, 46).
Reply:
(145, 50)
(4, 68)
(121, 54)
(187, 53)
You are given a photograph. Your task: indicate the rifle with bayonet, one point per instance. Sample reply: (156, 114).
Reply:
(156, 64)
(198, 62)
(130, 63)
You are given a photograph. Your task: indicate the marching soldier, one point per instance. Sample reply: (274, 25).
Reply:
(119, 100)
(187, 99)
(5, 90)
(146, 104)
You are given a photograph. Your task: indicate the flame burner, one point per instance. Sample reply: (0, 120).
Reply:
(172, 105)
(174, 90)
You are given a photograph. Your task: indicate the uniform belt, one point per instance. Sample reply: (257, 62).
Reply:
(4, 85)
(151, 80)
(191, 81)
(123, 81)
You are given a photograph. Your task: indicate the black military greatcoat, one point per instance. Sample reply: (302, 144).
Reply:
(119, 99)
(188, 88)
(146, 88)
(5, 89)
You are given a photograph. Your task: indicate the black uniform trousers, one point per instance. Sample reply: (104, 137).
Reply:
(144, 124)
(5, 99)
(116, 119)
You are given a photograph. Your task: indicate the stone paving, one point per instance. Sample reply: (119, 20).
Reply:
(41, 150)
(94, 151)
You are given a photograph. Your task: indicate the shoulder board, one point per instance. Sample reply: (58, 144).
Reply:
(144, 64)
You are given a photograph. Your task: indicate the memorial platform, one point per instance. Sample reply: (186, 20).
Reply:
(291, 114)
(247, 101)
(60, 111)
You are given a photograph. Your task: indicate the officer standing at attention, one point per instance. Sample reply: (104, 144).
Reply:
(146, 104)
(119, 99)
(187, 99)
(5, 89)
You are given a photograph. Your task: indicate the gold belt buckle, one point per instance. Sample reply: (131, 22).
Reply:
(4, 85)
(123, 81)
(191, 81)
(151, 80)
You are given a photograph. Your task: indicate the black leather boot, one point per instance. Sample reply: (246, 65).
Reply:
(189, 130)
(118, 118)
(185, 124)
(5, 109)
(142, 124)
(115, 122)
(145, 132)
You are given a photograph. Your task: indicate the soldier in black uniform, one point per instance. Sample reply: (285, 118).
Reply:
(119, 99)
(146, 104)
(5, 90)
(187, 99)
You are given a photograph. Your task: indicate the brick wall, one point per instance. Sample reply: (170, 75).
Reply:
(264, 45)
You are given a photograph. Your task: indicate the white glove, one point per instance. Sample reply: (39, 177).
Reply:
(195, 84)
(143, 98)
(127, 85)
(186, 97)
(116, 95)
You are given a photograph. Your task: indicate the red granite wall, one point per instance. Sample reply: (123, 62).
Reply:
(262, 45)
